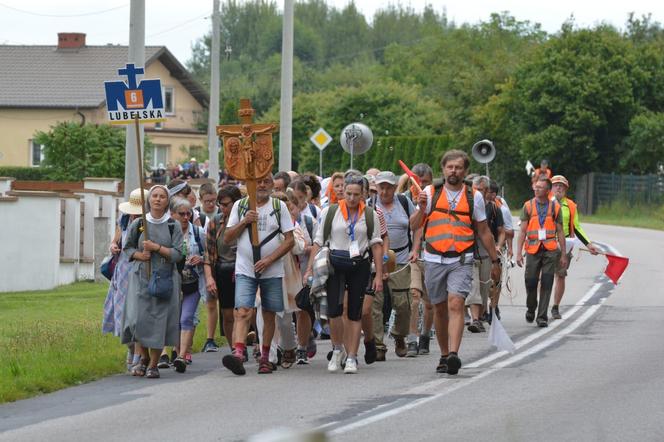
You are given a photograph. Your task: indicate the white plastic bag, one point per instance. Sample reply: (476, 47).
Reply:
(498, 337)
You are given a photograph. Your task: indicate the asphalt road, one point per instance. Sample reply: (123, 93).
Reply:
(595, 375)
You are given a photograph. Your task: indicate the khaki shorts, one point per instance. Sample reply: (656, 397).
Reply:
(481, 282)
(417, 280)
(562, 272)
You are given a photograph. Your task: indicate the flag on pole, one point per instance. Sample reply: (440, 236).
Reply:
(616, 267)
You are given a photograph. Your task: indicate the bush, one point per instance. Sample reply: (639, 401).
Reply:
(25, 173)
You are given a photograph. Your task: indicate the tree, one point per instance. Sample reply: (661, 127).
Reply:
(645, 144)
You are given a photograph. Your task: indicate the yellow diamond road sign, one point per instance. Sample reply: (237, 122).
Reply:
(321, 138)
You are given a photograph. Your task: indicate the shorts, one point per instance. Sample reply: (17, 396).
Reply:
(417, 280)
(441, 279)
(355, 282)
(481, 282)
(271, 293)
(562, 272)
(225, 288)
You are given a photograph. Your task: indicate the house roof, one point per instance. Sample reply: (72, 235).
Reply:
(47, 77)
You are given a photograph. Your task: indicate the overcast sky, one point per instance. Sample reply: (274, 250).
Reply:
(177, 24)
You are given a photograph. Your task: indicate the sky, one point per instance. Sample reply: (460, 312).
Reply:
(177, 24)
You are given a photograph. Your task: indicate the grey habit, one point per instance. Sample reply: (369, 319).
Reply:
(154, 323)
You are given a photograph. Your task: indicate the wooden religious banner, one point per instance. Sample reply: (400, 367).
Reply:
(248, 154)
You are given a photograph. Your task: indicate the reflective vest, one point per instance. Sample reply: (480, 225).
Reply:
(532, 232)
(450, 232)
(571, 205)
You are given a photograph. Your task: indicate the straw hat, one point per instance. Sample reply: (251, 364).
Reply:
(133, 206)
(560, 179)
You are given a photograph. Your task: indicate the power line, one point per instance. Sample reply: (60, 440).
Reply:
(83, 14)
(179, 25)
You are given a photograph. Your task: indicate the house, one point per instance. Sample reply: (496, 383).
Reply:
(41, 86)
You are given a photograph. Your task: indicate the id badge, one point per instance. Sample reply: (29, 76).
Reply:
(354, 249)
(541, 234)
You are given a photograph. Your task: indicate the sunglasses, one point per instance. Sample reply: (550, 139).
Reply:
(185, 214)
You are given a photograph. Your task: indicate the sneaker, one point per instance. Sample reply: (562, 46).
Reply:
(370, 353)
(288, 358)
(481, 327)
(210, 346)
(234, 364)
(442, 365)
(336, 360)
(541, 322)
(265, 367)
(400, 346)
(180, 365)
(412, 349)
(474, 326)
(301, 357)
(453, 364)
(530, 316)
(312, 347)
(380, 354)
(423, 347)
(329, 355)
(555, 313)
(351, 366)
(164, 362)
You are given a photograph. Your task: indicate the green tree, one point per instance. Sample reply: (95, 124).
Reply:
(645, 144)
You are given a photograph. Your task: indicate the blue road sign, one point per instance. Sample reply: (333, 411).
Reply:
(131, 100)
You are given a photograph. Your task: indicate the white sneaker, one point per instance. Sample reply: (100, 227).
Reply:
(351, 366)
(336, 360)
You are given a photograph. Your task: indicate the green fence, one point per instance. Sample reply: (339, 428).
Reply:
(595, 189)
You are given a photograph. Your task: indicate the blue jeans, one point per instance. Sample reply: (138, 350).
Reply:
(271, 293)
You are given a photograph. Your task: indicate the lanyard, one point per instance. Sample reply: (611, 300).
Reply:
(351, 226)
(542, 215)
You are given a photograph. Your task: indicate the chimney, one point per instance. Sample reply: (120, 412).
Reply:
(71, 40)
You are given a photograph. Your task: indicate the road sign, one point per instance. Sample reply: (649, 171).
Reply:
(129, 101)
(321, 139)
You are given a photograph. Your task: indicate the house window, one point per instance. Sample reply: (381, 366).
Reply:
(159, 155)
(36, 154)
(169, 101)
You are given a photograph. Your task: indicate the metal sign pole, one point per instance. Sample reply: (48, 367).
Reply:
(320, 161)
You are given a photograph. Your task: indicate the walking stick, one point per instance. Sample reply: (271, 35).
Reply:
(142, 185)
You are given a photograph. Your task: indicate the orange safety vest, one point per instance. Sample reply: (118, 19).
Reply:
(450, 232)
(539, 172)
(532, 231)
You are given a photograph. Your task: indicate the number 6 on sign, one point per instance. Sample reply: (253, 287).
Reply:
(134, 99)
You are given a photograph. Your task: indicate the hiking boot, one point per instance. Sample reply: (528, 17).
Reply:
(442, 365)
(380, 354)
(555, 313)
(301, 357)
(234, 364)
(288, 358)
(370, 352)
(336, 361)
(541, 322)
(530, 316)
(210, 346)
(453, 363)
(164, 362)
(475, 326)
(351, 366)
(423, 347)
(400, 346)
(412, 349)
(265, 367)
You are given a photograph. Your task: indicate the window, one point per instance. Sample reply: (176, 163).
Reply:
(159, 155)
(169, 100)
(36, 154)
(159, 125)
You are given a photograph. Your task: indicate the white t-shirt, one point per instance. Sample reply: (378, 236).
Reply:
(479, 215)
(339, 237)
(507, 215)
(267, 223)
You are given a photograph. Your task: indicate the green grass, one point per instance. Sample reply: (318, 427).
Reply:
(52, 340)
(621, 213)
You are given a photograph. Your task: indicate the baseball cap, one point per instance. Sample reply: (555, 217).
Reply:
(386, 177)
(560, 179)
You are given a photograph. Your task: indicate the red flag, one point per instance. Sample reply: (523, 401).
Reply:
(409, 172)
(616, 267)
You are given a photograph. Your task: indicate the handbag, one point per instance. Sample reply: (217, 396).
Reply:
(160, 284)
(189, 280)
(107, 267)
(221, 267)
(341, 261)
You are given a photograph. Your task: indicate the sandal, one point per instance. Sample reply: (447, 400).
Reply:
(265, 367)
(152, 373)
(139, 369)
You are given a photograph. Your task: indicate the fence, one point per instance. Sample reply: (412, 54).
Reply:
(595, 189)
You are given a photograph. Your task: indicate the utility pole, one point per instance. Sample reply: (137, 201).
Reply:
(286, 120)
(213, 117)
(136, 55)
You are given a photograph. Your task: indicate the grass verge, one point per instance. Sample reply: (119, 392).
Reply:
(621, 213)
(52, 340)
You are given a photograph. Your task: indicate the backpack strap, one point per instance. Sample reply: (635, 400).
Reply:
(197, 238)
(327, 223)
(309, 224)
(313, 209)
(369, 219)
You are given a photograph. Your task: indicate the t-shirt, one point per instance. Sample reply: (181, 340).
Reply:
(398, 223)
(267, 223)
(479, 215)
(304, 258)
(494, 220)
(339, 237)
(507, 215)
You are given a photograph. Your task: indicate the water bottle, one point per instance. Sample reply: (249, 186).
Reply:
(310, 281)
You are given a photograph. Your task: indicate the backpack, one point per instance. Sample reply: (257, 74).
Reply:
(309, 224)
(243, 208)
(332, 210)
